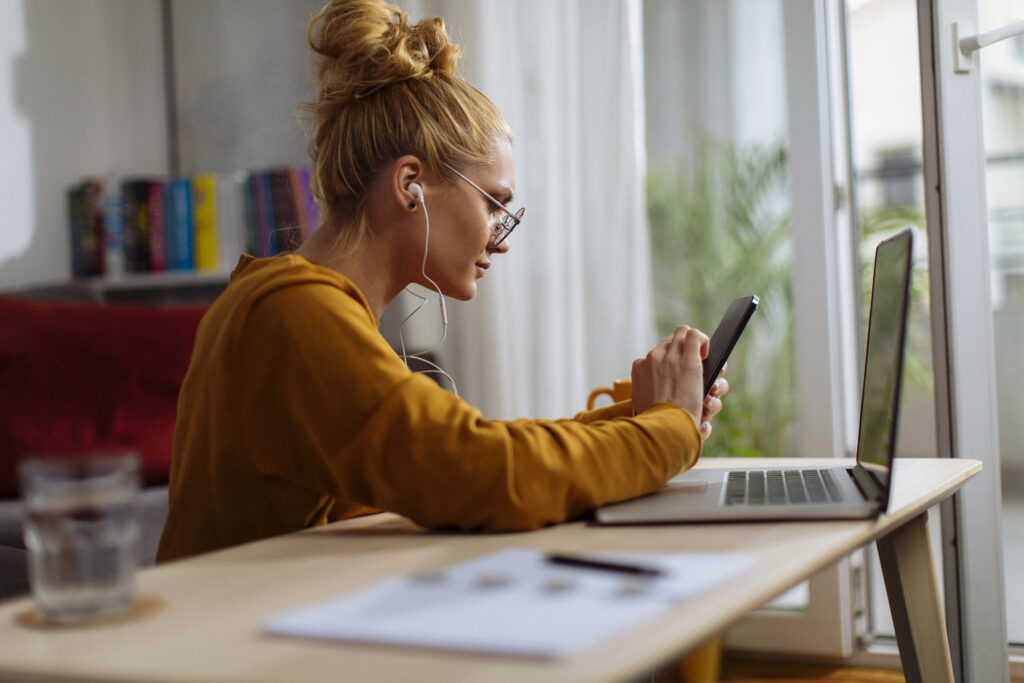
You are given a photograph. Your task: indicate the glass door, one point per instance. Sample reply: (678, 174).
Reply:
(1001, 70)
(887, 195)
(970, 209)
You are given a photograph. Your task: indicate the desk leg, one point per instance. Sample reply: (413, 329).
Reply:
(914, 598)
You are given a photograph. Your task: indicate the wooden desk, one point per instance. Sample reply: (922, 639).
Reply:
(207, 623)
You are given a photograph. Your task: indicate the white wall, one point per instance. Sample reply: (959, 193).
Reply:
(81, 92)
(241, 68)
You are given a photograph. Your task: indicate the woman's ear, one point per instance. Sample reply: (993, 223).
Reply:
(407, 185)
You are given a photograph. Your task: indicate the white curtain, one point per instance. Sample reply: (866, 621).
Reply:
(570, 306)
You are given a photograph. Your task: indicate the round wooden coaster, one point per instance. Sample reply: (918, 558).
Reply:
(144, 606)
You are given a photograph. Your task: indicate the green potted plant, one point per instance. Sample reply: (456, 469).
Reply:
(717, 232)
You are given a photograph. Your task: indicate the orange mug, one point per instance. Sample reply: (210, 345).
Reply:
(620, 390)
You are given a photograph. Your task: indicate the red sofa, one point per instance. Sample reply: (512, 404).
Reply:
(84, 378)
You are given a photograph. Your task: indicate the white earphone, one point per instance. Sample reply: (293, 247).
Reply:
(416, 191)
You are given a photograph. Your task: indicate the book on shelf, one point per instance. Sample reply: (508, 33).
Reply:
(113, 228)
(204, 215)
(308, 211)
(135, 222)
(156, 215)
(276, 205)
(85, 214)
(179, 225)
(261, 214)
(195, 224)
(286, 230)
(231, 217)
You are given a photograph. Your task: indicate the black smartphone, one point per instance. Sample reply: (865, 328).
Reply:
(726, 334)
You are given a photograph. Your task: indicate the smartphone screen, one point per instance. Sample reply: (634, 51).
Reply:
(726, 334)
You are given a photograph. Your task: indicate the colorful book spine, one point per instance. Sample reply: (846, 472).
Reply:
(157, 217)
(180, 248)
(85, 220)
(262, 213)
(113, 228)
(204, 221)
(76, 197)
(249, 205)
(199, 223)
(286, 220)
(306, 208)
(133, 209)
(95, 242)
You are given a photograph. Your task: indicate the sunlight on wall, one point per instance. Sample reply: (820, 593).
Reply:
(81, 94)
(15, 134)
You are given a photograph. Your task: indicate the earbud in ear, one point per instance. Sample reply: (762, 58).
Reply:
(417, 192)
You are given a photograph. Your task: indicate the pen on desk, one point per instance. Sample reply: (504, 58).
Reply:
(603, 565)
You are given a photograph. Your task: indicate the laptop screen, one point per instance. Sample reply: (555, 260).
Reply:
(883, 358)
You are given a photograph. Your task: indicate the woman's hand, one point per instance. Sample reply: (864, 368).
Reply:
(712, 405)
(672, 372)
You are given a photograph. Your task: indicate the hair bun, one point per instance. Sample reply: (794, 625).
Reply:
(365, 45)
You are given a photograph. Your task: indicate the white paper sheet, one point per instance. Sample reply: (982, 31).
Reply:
(513, 602)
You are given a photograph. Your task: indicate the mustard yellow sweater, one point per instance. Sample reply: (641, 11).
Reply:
(295, 411)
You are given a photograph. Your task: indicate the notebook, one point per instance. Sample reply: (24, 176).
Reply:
(813, 492)
(512, 602)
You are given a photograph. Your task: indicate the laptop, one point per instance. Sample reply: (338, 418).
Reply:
(813, 492)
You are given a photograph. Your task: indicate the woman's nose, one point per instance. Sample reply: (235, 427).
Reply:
(500, 248)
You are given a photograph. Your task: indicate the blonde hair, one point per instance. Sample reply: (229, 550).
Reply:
(386, 88)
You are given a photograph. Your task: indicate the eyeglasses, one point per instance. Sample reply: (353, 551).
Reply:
(508, 222)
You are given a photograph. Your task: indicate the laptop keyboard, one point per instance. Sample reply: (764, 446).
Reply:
(781, 487)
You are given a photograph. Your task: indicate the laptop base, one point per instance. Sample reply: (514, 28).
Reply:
(697, 496)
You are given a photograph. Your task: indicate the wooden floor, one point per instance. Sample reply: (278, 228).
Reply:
(749, 671)
(743, 670)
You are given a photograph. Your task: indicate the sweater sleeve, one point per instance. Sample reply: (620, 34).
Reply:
(365, 430)
(620, 409)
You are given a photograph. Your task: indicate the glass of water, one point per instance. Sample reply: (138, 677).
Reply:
(82, 532)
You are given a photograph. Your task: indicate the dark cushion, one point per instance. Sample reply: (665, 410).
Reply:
(85, 378)
(13, 573)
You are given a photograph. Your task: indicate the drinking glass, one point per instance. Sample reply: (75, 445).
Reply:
(82, 531)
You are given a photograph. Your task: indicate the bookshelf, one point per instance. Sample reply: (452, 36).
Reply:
(229, 119)
(161, 289)
(151, 99)
(152, 289)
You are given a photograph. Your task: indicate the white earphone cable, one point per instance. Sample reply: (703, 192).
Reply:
(423, 300)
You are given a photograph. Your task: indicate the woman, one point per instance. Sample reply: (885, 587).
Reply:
(296, 412)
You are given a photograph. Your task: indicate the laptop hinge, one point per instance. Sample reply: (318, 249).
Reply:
(866, 481)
